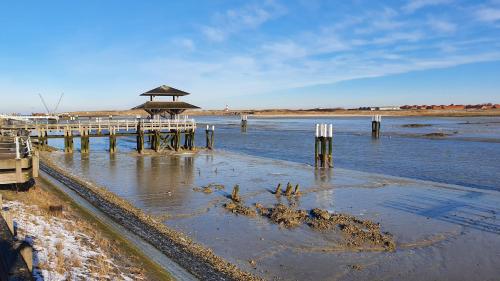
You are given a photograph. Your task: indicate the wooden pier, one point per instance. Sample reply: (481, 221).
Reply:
(164, 127)
(165, 133)
(18, 160)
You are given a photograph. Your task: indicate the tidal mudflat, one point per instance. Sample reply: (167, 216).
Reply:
(440, 231)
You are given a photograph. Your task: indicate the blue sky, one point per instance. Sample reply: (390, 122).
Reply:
(249, 54)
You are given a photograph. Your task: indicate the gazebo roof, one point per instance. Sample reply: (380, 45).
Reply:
(165, 90)
(165, 105)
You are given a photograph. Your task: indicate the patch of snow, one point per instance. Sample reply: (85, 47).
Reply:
(61, 252)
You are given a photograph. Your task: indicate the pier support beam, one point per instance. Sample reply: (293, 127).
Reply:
(112, 140)
(156, 141)
(43, 141)
(192, 144)
(376, 124)
(140, 139)
(68, 141)
(85, 140)
(177, 140)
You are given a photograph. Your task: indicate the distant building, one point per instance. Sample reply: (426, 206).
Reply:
(226, 109)
(455, 107)
(389, 108)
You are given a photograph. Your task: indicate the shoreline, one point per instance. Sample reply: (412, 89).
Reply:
(195, 258)
(283, 113)
(115, 256)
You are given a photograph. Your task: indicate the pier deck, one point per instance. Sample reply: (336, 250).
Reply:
(100, 125)
(163, 133)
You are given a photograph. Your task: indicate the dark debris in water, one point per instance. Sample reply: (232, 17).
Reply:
(357, 233)
(416, 125)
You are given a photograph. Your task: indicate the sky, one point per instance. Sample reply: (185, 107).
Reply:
(249, 54)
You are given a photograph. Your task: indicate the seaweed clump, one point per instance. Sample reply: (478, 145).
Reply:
(283, 215)
(240, 209)
(204, 189)
(357, 232)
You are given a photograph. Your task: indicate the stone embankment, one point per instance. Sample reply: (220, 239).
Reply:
(197, 259)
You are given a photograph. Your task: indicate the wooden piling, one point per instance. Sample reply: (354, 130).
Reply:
(192, 144)
(112, 140)
(85, 140)
(140, 139)
(376, 124)
(177, 140)
(157, 140)
(210, 137)
(323, 146)
(244, 123)
(68, 141)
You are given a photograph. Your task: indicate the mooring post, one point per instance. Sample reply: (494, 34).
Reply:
(330, 145)
(324, 156)
(316, 142)
(376, 124)
(244, 122)
(140, 138)
(212, 137)
(207, 132)
(112, 140)
(323, 146)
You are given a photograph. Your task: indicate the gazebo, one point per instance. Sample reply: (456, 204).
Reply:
(160, 108)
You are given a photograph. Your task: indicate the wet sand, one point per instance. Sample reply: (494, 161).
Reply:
(441, 231)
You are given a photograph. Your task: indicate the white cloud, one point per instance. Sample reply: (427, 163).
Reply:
(488, 14)
(236, 20)
(185, 44)
(442, 26)
(414, 5)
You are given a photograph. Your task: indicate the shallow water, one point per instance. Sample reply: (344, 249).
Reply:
(438, 228)
(468, 157)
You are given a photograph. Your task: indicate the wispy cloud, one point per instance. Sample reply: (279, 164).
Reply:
(488, 14)
(414, 5)
(236, 20)
(442, 25)
(185, 43)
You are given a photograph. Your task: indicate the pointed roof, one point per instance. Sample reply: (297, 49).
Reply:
(165, 90)
(163, 105)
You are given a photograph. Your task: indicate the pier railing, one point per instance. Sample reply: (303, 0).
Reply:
(106, 124)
